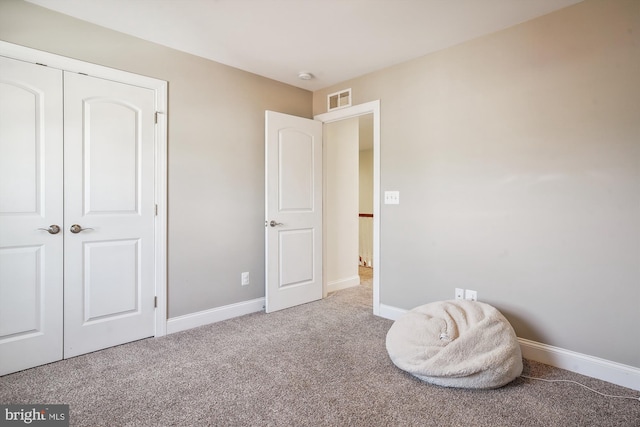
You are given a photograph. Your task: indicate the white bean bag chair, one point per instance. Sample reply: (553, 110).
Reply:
(457, 343)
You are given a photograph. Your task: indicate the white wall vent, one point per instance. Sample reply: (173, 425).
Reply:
(339, 99)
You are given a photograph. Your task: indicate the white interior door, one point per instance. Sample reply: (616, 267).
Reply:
(30, 203)
(293, 211)
(109, 213)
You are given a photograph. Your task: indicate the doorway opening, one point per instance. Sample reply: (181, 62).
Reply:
(365, 200)
(369, 115)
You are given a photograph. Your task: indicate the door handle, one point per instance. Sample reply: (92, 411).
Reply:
(273, 223)
(53, 229)
(75, 229)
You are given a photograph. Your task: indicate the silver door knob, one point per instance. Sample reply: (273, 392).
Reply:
(273, 223)
(75, 229)
(53, 229)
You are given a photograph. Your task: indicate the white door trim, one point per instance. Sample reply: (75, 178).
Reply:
(372, 107)
(160, 88)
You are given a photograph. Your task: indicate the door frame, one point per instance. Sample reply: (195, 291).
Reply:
(372, 107)
(159, 87)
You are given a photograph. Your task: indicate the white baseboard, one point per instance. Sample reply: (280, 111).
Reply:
(349, 282)
(201, 318)
(595, 367)
(391, 313)
(602, 369)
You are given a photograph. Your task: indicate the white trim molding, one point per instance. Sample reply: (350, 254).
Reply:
(591, 366)
(602, 369)
(348, 282)
(206, 317)
(391, 313)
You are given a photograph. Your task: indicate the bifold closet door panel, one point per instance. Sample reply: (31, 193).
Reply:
(31, 215)
(109, 213)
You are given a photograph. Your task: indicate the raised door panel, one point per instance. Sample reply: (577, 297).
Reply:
(111, 293)
(296, 171)
(296, 252)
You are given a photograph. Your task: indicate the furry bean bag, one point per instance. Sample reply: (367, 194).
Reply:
(456, 343)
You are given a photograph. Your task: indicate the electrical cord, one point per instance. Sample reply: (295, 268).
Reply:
(581, 385)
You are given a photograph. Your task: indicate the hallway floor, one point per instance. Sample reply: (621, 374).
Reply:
(366, 276)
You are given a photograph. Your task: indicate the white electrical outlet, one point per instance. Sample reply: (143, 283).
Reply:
(245, 278)
(470, 295)
(459, 293)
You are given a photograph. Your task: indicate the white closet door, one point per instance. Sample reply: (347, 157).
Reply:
(30, 200)
(109, 196)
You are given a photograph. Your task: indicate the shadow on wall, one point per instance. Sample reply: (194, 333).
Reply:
(523, 328)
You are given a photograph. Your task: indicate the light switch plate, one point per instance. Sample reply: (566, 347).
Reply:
(391, 197)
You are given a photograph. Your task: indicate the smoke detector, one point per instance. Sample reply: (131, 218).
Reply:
(303, 75)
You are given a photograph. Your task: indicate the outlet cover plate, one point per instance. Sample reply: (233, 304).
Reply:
(470, 295)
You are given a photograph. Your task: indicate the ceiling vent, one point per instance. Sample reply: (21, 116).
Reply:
(339, 99)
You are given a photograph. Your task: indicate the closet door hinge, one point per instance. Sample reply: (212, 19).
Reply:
(155, 117)
(156, 210)
(155, 302)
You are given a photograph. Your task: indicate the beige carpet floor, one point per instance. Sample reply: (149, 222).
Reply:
(318, 364)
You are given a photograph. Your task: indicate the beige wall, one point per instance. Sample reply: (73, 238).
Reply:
(517, 158)
(215, 143)
(366, 163)
(366, 181)
(341, 203)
